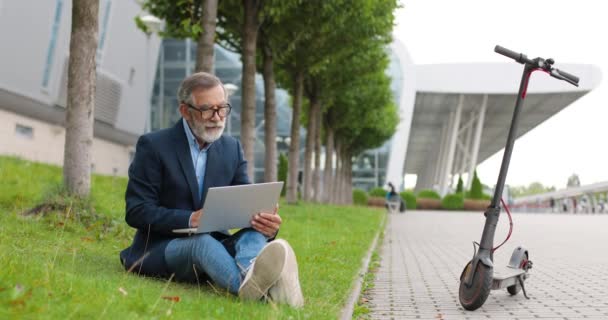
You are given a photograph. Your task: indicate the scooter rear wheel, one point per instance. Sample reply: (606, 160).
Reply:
(474, 296)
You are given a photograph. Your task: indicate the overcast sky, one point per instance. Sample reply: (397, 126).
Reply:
(572, 141)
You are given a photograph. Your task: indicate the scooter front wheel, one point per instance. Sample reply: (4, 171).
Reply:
(472, 297)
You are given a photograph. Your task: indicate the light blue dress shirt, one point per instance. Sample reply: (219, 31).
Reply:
(199, 157)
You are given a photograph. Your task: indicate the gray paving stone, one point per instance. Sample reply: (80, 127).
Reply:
(424, 252)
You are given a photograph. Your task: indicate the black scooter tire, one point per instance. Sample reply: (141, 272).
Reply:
(474, 296)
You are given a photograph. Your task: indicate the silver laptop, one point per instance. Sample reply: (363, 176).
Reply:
(233, 206)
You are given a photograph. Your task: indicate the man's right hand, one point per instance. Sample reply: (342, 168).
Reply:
(195, 217)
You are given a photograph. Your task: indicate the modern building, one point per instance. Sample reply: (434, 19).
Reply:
(33, 81)
(454, 116)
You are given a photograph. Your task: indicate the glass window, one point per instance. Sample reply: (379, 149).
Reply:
(103, 27)
(50, 53)
(24, 131)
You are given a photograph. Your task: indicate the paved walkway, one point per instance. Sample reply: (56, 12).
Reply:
(423, 254)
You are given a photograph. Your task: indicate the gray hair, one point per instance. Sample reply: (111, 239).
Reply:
(199, 80)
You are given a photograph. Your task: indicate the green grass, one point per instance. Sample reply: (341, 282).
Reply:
(62, 266)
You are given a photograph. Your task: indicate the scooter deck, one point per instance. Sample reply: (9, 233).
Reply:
(506, 276)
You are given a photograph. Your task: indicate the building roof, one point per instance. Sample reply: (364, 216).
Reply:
(439, 86)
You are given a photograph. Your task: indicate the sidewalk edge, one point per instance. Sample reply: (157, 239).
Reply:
(349, 307)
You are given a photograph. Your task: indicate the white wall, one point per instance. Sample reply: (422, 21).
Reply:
(399, 142)
(47, 141)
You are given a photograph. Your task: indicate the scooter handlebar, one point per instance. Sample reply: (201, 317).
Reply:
(506, 52)
(573, 79)
(522, 58)
(519, 57)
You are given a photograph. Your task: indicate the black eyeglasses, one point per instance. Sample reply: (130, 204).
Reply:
(207, 112)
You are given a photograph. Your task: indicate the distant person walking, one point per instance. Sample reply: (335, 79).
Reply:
(393, 197)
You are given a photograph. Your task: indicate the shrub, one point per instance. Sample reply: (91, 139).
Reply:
(454, 201)
(476, 191)
(282, 172)
(459, 186)
(409, 198)
(359, 197)
(377, 192)
(428, 194)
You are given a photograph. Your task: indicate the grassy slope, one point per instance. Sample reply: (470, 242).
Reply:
(58, 267)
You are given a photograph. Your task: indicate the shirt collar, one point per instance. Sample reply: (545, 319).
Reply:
(192, 142)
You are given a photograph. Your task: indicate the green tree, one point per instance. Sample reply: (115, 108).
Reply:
(476, 191)
(313, 31)
(532, 188)
(81, 98)
(245, 23)
(459, 186)
(194, 19)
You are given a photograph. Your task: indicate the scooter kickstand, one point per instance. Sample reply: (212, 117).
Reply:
(523, 289)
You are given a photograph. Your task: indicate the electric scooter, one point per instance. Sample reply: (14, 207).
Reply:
(479, 275)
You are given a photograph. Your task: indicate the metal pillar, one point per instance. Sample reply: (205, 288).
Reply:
(440, 154)
(477, 140)
(188, 58)
(452, 146)
(444, 153)
(467, 143)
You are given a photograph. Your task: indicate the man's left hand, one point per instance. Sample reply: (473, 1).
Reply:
(267, 223)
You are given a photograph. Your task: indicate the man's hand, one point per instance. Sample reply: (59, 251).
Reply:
(195, 217)
(267, 223)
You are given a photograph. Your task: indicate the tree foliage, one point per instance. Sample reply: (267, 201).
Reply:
(459, 186)
(476, 191)
(532, 188)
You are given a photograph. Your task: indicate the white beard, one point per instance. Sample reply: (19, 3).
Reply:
(208, 131)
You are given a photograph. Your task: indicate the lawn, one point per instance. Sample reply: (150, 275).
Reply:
(65, 264)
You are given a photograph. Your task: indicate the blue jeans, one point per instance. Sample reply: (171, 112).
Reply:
(224, 261)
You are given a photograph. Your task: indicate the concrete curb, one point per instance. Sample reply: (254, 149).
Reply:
(349, 307)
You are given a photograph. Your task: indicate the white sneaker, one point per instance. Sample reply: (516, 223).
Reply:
(287, 289)
(264, 271)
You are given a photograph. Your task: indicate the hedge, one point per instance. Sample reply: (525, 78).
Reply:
(359, 197)
(453, 201)
(428, 194)
(409, 198)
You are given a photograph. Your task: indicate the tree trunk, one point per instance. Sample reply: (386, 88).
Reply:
(270, 116)
(81, 98)
(328, 175)
(206, 40)
(294, 145)
(346, 178)
(349, 179)
(316, 179)
(250, 34)
(335, 194)
(310, 146)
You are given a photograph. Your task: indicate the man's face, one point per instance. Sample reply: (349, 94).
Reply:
(206, 129)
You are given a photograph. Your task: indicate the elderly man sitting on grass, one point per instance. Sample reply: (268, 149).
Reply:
(168, 179)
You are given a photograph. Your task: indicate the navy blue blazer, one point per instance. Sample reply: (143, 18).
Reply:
(162, 192)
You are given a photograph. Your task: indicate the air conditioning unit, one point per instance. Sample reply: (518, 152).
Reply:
(108, 94)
